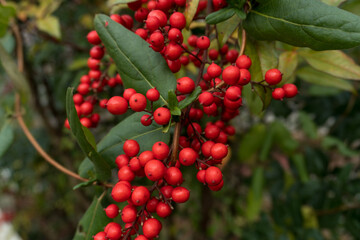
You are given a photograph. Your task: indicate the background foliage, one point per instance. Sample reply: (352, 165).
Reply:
(294, 168)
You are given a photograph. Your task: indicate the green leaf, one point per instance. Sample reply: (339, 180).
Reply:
(190, 11)
(304, 23)
(139, 66)
(220, 15)
(251, 143)
(6, 137)
(335, 63)
(313, 76)
(352, 6)
(93, 221)
(300, 165)
(308, 125)
(288, 62)
(333, 2)
(191, 98)
(50, 25)
(254, 198)
(12, 71)
(84, 184)
(173, 104)
(6, 12)
(332, 142)
(102, 168)
(283, 138)
(225, 29)
(87, 169)
(130, 128)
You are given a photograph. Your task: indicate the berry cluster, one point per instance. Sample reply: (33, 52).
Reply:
(197, 141)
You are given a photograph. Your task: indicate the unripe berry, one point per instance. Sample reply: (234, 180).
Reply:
(185, 85)
(140, 195)
(243, 61)
(187, 156)
(154, 170)
(203, 42)
(117, 105)
(278, 94)
(137, 102)
(153, 94)
(273, 76)
(131, 148)
(177, 20)
(290, 90)
(162, 116)
(231, 75)
(152, 228)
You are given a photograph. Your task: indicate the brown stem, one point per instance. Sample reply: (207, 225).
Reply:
(243, 42)
(175, 143)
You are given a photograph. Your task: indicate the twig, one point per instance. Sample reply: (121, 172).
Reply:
(243, 42)
(337, 209)
(175, 144)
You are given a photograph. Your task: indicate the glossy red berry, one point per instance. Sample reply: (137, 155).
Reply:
(93, 38)
(203, 42)
(140, 195)
(173, 51)
(83, 88)
(177, 20)
(273, 76)
(157, 39)
(185, 85)
(128, 214)
(100, 236)
(128, 93)
(137, 102)
(141, 14)
(290, 90)
(121, 192)
(153, 94)
(86, 108)
(214, 70)
(217, 187)
(213, 54)
(151, 228)
(141, 237)
(231, 75)
(114, 232)
(97, 52)
(125, 174)
(160, 150)
(152, 23)
(146, 156)
(233, 93)
(175, 35)
(219, 151)
(86, 122)
(206, 99)
(180, 195)
(245, 77)
(187, 156)
(122, 160)
(151, 205)
(159, 15)
(162, 116)
(163, 210)
(278, 94)
(243, 61)
(212, 131)
(213, 176)
(131, 148)
(192, 40)
(200, 176)
(173, 176)
(117, 105)
(134, 164)
(112, 211)
(166, 191)
(154, 170)
(146, 120)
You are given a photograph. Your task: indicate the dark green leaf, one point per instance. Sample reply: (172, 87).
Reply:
(139, 66)
(304, 23)
(288, 62)
(130, 128)
(241, 14)
(93, 221)
(225, 29)
(173, 103)
(84, 184)
(191, 98)
(190, 11)
(308, 125)
(220, 15)
(6, 12)
(6, 137)
(86, 169)
(102, 168)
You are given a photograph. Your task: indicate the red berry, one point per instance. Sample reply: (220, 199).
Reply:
(97, 52)
(163, 210)
(175, 35)
(160, 150)
(174, 66)
(141, 237)
(151, 205)
(203, 42)
(86, 108)
(177, 20)
(290, 90)
(173, 176)
(146, 120)
(180, 195)
(128, 214)
(273, 76)
(187, 156)
(131, 148)
(201, 176)
(141, 33)
(117, 105)
(137, 102)
(159, 15)
(213, 176)
(278, 94)
(114, 232)
(173, 51)
(217, 187)
(93, 38)
(122, 160)
(219, 151)
(180, 3)
(214, 70)
(125, 174)
(83, 88)
(93, 63)
(135, 5)
(213, 54)
(157, 39)
(243, 61)
(100, 236)
(231, 56)
(140, 195)
(212, 131)
(206, 148)
(185, 85)
(231, 75)
(153, 94)
(192, 40)
(206, 99)
(151, 228)
(162, 116)
(166, 191)
(121, 192)
(233, 93)
(112, 211)
(86, 122)
(141, 14)
(134, 164)
(152, 23)
(245, 77)
(128, 93)
(154, 170)
(145, 157)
